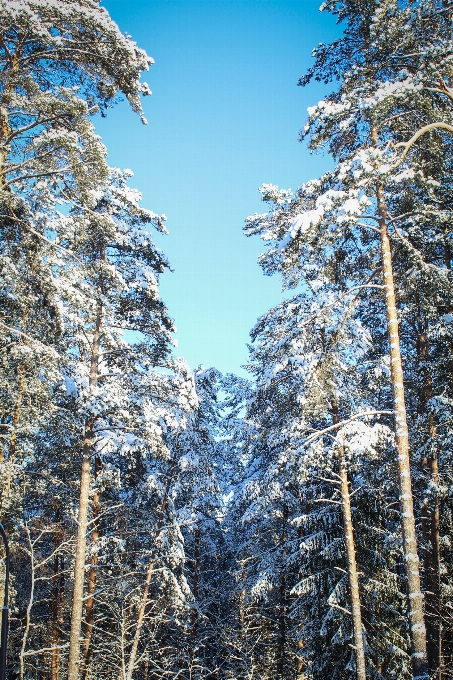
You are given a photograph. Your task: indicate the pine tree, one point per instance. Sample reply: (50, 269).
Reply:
(358, 124)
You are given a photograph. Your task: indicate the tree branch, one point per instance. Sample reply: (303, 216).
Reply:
(345, 422)
(406, 146)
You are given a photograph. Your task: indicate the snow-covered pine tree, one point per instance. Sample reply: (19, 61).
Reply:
(60, 62)
(111, 290)
(311, 357)
(260, 642)
(419, 199)
(124, 402)
(358, 123)
(199, 500)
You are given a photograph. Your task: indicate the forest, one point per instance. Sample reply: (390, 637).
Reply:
(168, 523)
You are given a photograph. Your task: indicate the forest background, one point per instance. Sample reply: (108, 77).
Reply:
(290, 522)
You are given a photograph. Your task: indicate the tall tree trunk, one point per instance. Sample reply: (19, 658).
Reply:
(149, 574)
(57, 602)
(431, 531)
(92, 576)
(195, 582)
(447, 260)
(411, 558)
(81, 544)
(431, 514)
(281, 637)
(357, 626)
(300, 673)
(241, 605)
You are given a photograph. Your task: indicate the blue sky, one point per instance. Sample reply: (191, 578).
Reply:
(223, 119)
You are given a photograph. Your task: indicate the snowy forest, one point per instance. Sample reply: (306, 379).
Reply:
(168, 523)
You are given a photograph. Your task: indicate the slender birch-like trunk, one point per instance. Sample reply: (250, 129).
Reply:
(357, 627)
(281, 638)
(447, 260)
(241, 606)
(411, 558)
(81, 544)
(195, 580)
(92, 577)
(300, 673)
(57, 602)
(196, 576)
(241, 647)
(31, 601)
(431, 530)
(149, 574)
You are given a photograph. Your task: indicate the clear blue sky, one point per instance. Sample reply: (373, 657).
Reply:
(223, 119)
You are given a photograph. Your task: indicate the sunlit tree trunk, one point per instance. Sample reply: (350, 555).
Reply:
(92, 576)
(411, 558)
(81, 543)
(359, 649)
(195, 583)
(447, 260)
(282, 605)
(300, 673)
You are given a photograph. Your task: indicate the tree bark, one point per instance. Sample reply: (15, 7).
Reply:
(241, 605)
(195, 580)
(281, 637)
(357, 626)
(81, 542)
(57, 602)
(92, 577)
(430, 514)
(411, 558)
(431, 530)
(447, 260)
(300, 673)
